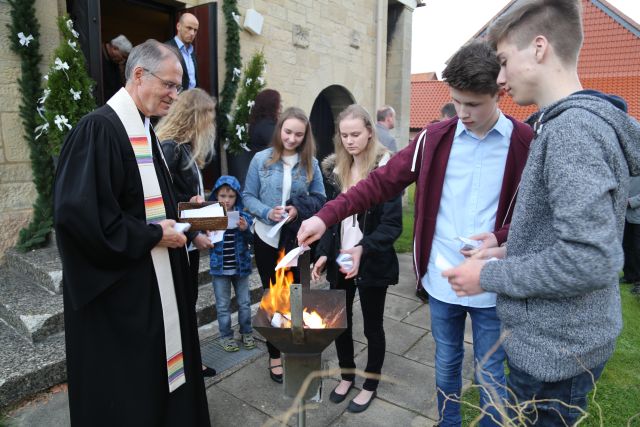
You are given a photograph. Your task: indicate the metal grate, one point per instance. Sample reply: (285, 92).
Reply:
(215, 357)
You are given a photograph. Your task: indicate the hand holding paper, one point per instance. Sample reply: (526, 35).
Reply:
(291, 259)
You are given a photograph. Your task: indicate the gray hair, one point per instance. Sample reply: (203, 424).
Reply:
(122, 43)
(148, 55)
(384, 112)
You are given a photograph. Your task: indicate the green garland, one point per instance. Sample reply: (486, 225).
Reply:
(24, 37)
(252, 83)
(68, 94)
(233, 62)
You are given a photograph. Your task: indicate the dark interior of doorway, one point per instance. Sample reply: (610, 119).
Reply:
(329, 103)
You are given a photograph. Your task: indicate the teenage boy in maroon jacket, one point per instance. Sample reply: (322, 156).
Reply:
(466, 171)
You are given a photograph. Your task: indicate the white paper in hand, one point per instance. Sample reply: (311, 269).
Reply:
(209, 211)
(442, 263)
(291, 259)
(232, 219)
(469, 243)
(181, 227)
(274, 230)
(216, 236)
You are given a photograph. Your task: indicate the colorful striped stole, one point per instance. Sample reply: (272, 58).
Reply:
(140, 139)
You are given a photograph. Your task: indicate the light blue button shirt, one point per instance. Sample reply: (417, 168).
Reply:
(186, 55)
(468, 205)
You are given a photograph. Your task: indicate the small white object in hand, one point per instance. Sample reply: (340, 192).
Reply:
(181, 227)
(345, 261)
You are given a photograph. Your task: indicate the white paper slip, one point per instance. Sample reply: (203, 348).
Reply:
(291, 259)
(216, 236)
(232, 219)
(209, 211)
(475, 244)
(345, 261)
(442, 263)
(274, 230)
(181, 227)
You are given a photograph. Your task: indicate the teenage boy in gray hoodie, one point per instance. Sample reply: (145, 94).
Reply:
(557, 286)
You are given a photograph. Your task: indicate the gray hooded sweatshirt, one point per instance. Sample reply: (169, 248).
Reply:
(558, 296)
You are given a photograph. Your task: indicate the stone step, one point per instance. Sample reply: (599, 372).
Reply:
(27, 368)
(42, 266)
(32, 310)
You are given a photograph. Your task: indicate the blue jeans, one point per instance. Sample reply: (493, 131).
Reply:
(222, 291)
(572, 391)
(447, 327)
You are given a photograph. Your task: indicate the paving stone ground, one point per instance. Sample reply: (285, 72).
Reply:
(406, 395)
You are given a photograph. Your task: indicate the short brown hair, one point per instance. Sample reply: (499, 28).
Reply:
(560, 21)
(475, 68)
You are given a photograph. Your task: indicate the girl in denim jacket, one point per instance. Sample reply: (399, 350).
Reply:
(280, 180)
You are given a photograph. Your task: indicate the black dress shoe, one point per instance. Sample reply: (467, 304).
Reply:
(337, 397)
(355, 408)
(208, 372)
(275, 377)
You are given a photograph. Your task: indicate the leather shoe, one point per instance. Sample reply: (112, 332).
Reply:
(275, 377)
(337, 397)
(355, 408)
(208, 372)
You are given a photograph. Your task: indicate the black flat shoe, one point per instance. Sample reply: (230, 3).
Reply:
(355, 408)
(275, 377)
(337, 397)
(208, 372)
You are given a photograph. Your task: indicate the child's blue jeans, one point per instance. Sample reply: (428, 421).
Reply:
(222, 291)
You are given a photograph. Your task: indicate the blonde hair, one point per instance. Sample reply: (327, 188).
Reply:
(372, 151)
(191, 120)
(306, 150)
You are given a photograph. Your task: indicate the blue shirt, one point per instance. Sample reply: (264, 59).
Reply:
(186, 55)
(470, 196)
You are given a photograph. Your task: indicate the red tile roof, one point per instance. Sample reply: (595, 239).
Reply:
(609, 62)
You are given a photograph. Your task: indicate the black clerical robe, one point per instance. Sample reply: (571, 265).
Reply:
(116, 364)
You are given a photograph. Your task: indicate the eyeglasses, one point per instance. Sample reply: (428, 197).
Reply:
(167, 84)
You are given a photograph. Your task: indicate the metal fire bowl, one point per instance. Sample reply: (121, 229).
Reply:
(331, 304)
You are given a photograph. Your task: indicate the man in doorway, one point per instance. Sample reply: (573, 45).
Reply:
(187, 29)
(386, 120)
(114, 56)
(466, 173)
(557, 284)
(133, 355)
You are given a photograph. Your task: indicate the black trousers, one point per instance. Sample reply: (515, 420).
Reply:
(266, 261)
(372, 304)
(631, 246)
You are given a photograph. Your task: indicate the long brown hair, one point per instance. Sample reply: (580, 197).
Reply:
(191, 120)
(306, 150)
(372, 151)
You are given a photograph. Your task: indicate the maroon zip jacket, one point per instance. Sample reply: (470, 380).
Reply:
(424, 162)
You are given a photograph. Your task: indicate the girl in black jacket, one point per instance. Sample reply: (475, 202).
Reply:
(368, 238)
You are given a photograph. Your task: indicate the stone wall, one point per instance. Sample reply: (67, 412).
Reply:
(312, 44)
(17, 192)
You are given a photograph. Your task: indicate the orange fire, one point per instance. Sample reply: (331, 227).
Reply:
(278, 299)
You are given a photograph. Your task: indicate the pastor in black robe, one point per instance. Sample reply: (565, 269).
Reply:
(116, 365)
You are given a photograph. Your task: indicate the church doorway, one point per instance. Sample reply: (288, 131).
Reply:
(329, 103)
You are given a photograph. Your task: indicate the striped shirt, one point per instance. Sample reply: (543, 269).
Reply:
(229, 254)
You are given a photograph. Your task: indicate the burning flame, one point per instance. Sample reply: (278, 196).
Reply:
(278, 299)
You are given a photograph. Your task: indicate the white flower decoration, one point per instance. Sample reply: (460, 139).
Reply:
(46, 77)
(260, 80)
(244, 146)
(69, 24)
(226, 145)
(229, 117)
(61, 65)
(239, 130)
(250, 104)
(42, 129)
(44, 96)
(236, 73)
(248, 82)
(73, 45)
(236, 17)
(60, 121)
(24, 40)
(76, 95)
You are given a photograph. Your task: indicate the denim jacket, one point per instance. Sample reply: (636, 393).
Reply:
(263, 185)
